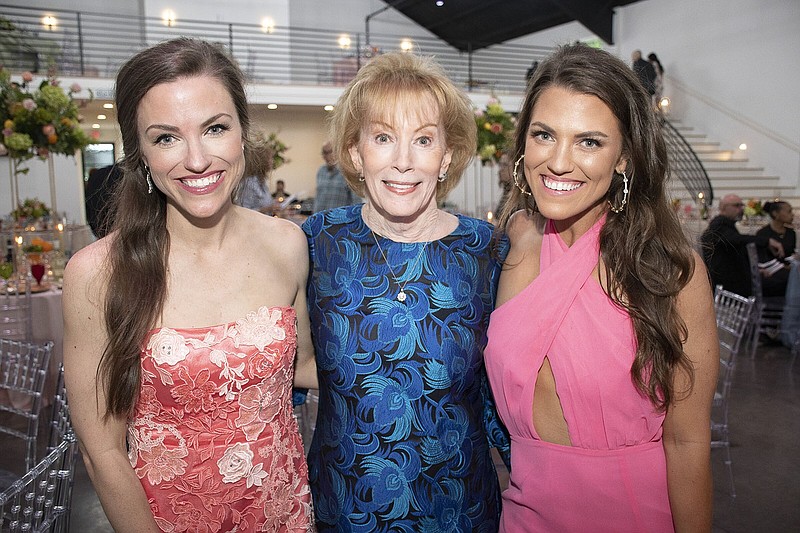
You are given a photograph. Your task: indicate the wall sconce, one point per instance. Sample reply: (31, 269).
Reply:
(168, 17)
(49, 22)
(406, 45)
(344, 42)
(267, 25)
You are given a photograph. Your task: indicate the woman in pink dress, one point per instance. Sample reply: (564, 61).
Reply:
(186, 325)
(602, 351)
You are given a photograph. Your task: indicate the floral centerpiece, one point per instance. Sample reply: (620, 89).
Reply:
(41, 121)
(753, 208)
(495, 130)
(30, 209)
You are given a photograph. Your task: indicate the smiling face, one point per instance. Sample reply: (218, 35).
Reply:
(573, 147)
(401, 154)
(191, 139)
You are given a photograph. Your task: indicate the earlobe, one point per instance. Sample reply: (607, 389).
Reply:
(355, 157)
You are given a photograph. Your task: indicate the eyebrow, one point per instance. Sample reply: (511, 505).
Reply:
(582, 134)
(380, 123)
(167, 127)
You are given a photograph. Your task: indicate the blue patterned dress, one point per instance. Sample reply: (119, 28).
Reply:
(406, 420)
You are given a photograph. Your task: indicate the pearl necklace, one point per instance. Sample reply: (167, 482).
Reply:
(401, 295)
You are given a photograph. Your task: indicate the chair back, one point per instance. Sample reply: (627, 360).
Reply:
(767, 311)
(734, 313)
(40, 500)
(23, 370)
(15, 312)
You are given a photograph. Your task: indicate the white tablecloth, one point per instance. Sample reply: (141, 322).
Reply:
(48, 325)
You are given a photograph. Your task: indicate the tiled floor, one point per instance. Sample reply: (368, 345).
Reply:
(765, 429)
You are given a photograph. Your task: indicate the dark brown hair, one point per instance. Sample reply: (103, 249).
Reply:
(137, 259)
(388, 82)
(646, 255)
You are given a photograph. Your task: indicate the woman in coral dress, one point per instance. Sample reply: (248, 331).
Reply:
(602, 352)
(186, 326)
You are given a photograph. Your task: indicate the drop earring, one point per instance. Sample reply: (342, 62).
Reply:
(149, 179)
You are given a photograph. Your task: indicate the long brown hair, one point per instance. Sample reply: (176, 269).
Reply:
(646, 255)
(137, 259)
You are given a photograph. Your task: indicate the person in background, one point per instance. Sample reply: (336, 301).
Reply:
(98, 193)
(332, 190)
(280, 193)
(602, 351)
(531, 71)
(724, 249)
(185, 326)
(399, 295)
(780, 229)
(644, 71)
(658, 83)
(253, 193)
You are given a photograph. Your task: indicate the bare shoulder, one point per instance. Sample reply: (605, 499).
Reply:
(87, 269)
(282, 240)
(698, 290)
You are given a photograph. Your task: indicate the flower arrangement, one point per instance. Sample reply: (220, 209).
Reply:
(30, 209)
(41, 121)
(753, 208)
(495, 130)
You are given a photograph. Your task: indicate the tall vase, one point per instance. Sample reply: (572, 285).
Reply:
(52, 172)
(12, 171)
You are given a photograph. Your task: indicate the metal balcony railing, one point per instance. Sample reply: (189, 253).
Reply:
(97, 44)
(685, 166)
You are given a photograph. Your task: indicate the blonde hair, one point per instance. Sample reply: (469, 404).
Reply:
(396, 80)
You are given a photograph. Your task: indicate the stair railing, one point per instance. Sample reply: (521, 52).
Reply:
(686, 166)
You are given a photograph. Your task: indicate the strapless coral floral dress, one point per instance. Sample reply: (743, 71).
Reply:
(213, 438)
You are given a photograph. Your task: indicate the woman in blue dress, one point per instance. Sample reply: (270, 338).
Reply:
(400, 293)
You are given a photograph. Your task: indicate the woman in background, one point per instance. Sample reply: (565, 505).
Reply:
(399, 295)
(182, 325)
(602, 351)
(659, 82)
(779, 228)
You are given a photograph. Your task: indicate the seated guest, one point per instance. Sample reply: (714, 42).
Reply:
(780, 229)
(280, 193)
(724, 249)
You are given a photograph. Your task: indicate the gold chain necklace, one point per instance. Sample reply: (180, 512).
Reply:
(401, 296)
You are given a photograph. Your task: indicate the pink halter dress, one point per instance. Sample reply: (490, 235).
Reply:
(613, 476)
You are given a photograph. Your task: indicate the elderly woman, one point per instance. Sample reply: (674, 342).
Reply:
(400, 293)
(602, 351)
(184, 326)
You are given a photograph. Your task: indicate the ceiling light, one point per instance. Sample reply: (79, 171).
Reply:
(272, 106)
(101, 117)
(344, 41)
(406, 45)
(108, 106)
(49, 22)
(168, 17)
(743, 146)
(96, 126)
(439, 3)
(267, 25)
(328, 107)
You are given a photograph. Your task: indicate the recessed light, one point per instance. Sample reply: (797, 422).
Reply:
(743, 146)
(101, 117)
(96, 126)
(108, 106)
(328, 107)
(272, 106)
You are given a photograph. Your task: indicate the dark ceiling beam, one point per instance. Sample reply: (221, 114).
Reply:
(599, 19)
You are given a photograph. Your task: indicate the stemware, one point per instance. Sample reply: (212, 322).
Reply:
(37, 270)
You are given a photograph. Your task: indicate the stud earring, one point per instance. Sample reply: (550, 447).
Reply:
(516, 176)
(442, 177)
(361, 177)
(625, 192)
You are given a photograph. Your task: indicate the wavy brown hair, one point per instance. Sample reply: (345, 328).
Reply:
(646, 255)
(139, 246)
(398, 80)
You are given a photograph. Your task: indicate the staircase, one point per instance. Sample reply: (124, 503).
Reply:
(730, 172)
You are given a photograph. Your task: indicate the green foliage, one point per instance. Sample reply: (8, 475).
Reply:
(495, 130)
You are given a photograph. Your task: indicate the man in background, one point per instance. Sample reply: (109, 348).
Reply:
(332, 189)
(645, 72)
(724, 249)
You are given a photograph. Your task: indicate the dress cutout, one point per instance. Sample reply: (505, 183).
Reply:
(213, 438)
(404, 409)
(613, 477)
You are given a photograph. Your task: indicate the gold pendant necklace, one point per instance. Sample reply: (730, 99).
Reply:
(401, 295)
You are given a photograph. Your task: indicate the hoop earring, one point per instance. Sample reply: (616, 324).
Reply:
(442, 177)
(149, 179)
(516, 176)
(625, 192)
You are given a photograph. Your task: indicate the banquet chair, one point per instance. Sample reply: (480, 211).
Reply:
(15, 313)
(768, 311)
(734, 314)
(61, 430)
(23, 371)
(39, 500)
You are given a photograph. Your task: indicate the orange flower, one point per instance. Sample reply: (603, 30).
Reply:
(52, 138)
